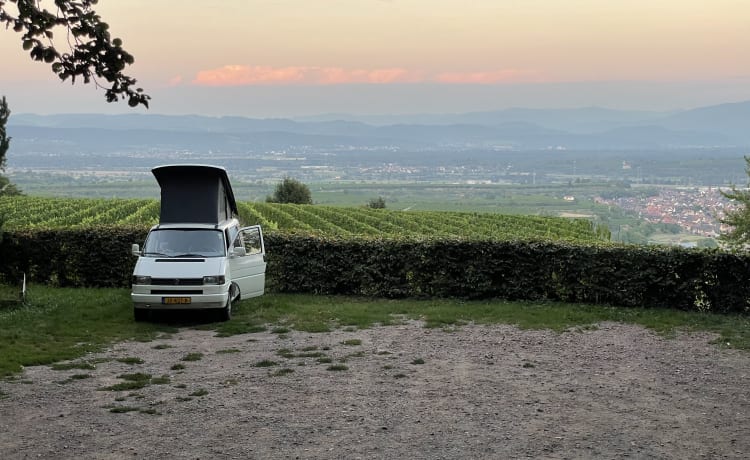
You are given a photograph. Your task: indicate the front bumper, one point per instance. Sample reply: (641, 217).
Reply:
(151, 297)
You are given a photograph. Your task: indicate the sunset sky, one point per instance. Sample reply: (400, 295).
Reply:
(269, 58)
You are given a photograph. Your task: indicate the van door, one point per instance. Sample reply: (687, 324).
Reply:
(247, 262)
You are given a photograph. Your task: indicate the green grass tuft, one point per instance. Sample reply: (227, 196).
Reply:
(227, 351)
(282, 372)
(193, 357)
(265, 363)
(130, 360)
(337, 367)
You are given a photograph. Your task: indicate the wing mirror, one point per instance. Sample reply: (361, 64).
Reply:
(135, 250)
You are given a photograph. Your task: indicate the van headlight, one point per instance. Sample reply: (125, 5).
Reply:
(216, 279)
(138, 279)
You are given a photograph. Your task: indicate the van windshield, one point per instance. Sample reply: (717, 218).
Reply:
(185, 243)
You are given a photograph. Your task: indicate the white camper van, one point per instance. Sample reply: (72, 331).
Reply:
(198, 256)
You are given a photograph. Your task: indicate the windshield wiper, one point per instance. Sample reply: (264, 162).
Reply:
(190, 255)
(155, 254)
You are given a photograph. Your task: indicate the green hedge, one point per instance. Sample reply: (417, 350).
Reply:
(632, 276)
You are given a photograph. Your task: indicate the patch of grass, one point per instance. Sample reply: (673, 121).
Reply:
(238, 326)
(149, 411)
(162, 346)
(134, 381)
(177, 367)
(60, 324)
(418, 361)
(73, 365)
(180, 385)
(387, 366)
(163, 380)
(282, 372)
(193, 357)
(325, 359)
(265, 363)
(130, 360)
(288, 354)
(123, 409)
(227, 351)
(199, 392)
(280, 330)
(3, 395)
(352, 342)
(337, 367)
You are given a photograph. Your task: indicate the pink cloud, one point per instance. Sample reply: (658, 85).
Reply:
(240, 75)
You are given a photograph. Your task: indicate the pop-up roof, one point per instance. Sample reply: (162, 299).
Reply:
(194, 194)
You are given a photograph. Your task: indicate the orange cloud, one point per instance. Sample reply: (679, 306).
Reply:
(240, 75)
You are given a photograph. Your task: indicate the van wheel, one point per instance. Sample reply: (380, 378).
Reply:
(226, 312)
(140, 314)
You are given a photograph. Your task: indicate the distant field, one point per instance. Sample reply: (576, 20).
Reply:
(37, 212)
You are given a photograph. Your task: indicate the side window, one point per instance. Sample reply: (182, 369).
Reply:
(251, 239)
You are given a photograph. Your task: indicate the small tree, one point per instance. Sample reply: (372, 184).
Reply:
(6, 188)
(290, 190)
(376, 203)
(4, 139)
(738, 219)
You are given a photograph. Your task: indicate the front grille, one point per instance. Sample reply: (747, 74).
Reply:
(177, 281)
(177, 292)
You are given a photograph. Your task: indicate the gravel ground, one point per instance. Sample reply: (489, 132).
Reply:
(406, 392)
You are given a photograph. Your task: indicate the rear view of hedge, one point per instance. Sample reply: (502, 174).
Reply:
(633, 276)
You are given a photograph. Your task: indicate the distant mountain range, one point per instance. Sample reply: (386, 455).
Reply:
(725, 125)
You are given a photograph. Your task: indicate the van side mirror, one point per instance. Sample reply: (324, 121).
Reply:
(239, 251)
(135, 250)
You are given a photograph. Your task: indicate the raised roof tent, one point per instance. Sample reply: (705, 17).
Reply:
(198, 194)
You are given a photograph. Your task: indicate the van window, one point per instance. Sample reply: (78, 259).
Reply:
(185, 243)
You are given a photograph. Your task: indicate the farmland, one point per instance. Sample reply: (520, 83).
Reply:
(50, 213)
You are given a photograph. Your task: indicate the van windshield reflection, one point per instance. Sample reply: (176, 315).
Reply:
(185, 243)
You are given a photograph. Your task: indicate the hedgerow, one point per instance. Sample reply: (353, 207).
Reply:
(628, 276)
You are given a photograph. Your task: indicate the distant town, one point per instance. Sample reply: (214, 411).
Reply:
(697, 210)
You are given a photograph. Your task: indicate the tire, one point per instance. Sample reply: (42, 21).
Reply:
(225, 314)
(139, 314)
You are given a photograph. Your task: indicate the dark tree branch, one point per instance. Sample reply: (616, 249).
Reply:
(93, 53)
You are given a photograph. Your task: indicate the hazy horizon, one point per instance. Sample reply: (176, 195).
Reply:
(299, 58)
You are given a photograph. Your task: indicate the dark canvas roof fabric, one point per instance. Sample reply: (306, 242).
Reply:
(194, 194)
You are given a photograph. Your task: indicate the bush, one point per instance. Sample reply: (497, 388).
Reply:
(376, 203)
(630, 276)
(290, 191)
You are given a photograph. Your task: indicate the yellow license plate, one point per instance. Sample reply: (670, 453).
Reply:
(175, 300)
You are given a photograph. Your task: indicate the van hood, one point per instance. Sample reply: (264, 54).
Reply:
(163, 267)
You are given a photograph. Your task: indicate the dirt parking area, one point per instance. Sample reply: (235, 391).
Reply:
(389, 392)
